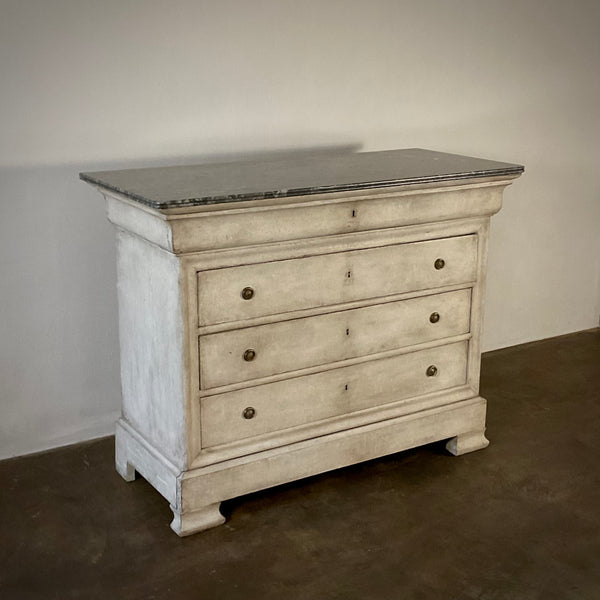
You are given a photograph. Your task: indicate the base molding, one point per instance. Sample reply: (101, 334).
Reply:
(133, 453)
(195, 494)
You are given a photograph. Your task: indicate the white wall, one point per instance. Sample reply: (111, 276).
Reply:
(91, 85)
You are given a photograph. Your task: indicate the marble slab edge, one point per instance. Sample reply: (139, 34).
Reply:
(307, 191)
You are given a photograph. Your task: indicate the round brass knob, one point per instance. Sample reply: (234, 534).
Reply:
(434, 317)
(249, 355)
(439, 263)
(432, 371)
(247, 293)
(249, 413)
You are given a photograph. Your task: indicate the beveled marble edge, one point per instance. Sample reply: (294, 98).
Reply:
(507, 169)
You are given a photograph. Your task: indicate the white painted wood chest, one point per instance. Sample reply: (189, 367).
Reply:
(283, 318)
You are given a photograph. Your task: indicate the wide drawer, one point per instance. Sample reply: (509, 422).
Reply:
(301, 400)
(254, 352)
(238, 293)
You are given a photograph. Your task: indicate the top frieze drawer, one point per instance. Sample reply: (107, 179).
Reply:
(239, 293)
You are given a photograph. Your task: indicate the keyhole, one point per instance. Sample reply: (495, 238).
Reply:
(347, 331)
(349, 274)
(346, 387)
(353, 213)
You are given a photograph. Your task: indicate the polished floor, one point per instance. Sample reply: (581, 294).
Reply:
(519, 520)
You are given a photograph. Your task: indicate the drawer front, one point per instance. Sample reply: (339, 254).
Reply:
(245, 292)
(254, 352)
(233, 227)
(311, 398)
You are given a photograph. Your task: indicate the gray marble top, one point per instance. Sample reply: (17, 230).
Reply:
(172, 187)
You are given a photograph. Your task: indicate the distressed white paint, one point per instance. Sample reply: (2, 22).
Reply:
(151, 333)
(264, 223)
(91, 86)
(204, 486)
(291, 285)
(292, 435)
(327, 389)
(288, 346)
(292, 402)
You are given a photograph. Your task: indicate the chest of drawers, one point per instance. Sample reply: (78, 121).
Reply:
(284, 318)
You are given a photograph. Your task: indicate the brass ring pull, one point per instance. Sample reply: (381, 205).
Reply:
(249, 355)
(439, 263)
(247, 293)
(249, 413)
(432, 371)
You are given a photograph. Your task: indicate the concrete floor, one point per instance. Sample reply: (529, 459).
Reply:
(519, 520)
